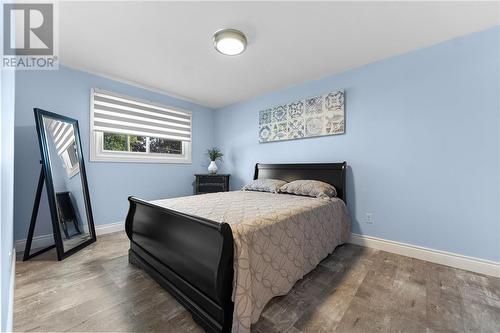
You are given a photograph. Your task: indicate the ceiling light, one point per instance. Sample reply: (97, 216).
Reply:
(230, 41)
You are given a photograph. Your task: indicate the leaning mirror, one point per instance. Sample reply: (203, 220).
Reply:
(65, 181)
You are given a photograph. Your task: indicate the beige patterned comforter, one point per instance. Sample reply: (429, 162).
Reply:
(278, 239)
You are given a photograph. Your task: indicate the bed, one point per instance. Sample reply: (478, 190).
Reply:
(223, 256)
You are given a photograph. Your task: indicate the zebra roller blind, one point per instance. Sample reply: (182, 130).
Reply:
(63, 135)
(112, 113)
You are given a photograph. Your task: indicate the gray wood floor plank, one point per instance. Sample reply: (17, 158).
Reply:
(353, 290)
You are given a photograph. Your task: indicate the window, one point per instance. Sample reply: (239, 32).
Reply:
(124, 129)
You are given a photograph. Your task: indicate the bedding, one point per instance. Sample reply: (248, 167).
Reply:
(264, 185)
(278, 238)
(311, 188)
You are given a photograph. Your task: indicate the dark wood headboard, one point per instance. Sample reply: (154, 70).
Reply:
(331, 173)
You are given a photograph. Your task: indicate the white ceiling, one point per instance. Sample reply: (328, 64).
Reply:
(168, 45)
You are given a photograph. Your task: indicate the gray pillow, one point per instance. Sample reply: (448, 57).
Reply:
(264, 185)
(311, 188)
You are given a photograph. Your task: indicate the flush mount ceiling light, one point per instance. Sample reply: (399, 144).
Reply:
(230, 41)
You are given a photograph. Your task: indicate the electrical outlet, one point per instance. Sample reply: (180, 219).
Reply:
(369, 218)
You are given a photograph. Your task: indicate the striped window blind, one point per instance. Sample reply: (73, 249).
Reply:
(63, 135)
(123, 115)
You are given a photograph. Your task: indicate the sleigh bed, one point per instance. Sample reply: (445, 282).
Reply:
(206, 263)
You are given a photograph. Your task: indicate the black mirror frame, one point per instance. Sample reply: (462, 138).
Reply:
(42, 140)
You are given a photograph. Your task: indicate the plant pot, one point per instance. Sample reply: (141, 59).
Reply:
(212, 168)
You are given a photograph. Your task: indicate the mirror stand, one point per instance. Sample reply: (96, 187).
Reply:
(64, 176)
(34, 214)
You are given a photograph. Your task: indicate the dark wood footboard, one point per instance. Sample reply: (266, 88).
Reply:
(189, 256)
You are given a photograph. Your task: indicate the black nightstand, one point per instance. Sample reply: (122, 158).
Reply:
(206, 183)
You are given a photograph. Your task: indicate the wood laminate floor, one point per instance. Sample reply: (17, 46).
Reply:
(354, 290)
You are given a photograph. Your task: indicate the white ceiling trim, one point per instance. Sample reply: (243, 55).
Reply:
(136, 84)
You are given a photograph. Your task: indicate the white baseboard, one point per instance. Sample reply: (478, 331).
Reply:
(10, 309)
(47, 240)
(37, 243)
(109, 228)
(439, 257)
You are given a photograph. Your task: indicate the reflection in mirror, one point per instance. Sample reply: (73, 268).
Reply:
(67, 181)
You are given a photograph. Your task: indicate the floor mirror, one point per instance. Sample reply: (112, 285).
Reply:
(63, 173)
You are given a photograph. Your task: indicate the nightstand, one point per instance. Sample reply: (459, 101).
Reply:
(207, 183)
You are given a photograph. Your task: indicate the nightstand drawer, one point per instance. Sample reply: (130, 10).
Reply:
(212, 179)
(211, 183)
(211, 188)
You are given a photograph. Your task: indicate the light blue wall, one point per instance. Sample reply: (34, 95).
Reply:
(422, 141)
(67, 92)
(7, 84)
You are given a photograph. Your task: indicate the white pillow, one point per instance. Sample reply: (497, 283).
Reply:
(264, 185)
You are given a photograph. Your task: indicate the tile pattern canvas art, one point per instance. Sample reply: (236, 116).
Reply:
(310, 117)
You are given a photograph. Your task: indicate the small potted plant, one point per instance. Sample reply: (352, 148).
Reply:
(214, 154)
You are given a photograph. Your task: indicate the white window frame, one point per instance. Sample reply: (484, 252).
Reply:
(98, 154)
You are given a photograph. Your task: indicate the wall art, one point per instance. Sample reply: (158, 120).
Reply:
(305, 118)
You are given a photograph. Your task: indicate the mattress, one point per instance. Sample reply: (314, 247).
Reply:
(278, 238)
